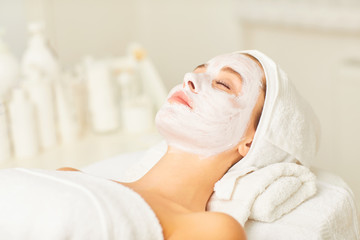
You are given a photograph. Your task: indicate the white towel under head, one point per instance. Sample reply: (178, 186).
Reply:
(268, 193)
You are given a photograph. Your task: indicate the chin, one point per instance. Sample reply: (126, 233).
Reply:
(189, 136)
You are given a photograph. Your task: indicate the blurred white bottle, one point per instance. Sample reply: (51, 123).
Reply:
(126, 81)
(41, 95)
(5, 148)
(137, 115)
(9, 69)
(151, 82)
(23, 126)
(38, 55)
(101, 97)
(70, 107)
(68, 130)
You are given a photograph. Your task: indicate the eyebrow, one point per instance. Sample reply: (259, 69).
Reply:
(230, 70)
(201, 66)
(226, 69)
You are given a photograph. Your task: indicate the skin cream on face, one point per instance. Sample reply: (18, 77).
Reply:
(203, 119)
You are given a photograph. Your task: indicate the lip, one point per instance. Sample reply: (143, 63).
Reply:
(180, 97)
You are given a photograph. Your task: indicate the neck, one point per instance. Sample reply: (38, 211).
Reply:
(186, 178)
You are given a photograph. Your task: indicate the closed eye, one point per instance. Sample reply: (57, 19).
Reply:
(223, 84)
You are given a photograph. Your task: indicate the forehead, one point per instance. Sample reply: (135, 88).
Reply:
(238, 63)
(235, 61)
(202, 68)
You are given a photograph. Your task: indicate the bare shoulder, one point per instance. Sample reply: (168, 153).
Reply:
(209, 225)
(67, 169)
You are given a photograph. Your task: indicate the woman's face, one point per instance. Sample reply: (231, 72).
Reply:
(209, 113)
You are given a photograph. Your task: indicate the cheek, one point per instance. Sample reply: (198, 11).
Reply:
(237, 103)
(216, 106)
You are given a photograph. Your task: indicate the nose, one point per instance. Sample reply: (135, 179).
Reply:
(191, 86)
(192, 82)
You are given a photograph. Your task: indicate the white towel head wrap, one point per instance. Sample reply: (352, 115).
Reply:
(288, 130)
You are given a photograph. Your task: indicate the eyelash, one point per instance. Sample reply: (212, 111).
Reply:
(224, 84)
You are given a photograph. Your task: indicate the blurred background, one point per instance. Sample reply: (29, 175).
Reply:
(316, 42)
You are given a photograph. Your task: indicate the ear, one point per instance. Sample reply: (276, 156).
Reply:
(244, 146)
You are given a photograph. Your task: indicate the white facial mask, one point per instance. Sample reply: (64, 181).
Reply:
(217, 120)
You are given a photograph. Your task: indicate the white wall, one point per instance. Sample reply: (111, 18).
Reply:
(13, 23)
(83, 27)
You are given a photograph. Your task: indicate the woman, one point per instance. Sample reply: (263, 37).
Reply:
(209, 123)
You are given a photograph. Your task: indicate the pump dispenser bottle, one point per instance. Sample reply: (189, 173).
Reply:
(39, 56)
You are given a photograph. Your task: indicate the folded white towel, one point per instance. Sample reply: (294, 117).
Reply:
(268, 193)
(330, 214)
(40, 204)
